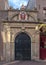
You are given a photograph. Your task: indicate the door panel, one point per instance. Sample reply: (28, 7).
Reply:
(43, 47)
(22, 47)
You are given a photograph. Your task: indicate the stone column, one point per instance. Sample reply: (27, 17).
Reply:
(1, 44)
(37, 45)
(7, 45)
(4, 43)
(33, 46)
(11, 46)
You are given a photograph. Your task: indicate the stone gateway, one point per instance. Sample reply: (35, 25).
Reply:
(21, 34)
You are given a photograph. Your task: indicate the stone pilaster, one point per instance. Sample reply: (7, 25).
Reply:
(37, 45)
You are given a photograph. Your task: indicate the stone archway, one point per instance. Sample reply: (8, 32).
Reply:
(22, 47)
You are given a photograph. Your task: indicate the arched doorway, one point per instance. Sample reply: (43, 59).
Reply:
(22, 47)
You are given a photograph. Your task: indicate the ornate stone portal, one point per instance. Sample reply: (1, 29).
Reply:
(20, 21)
(9, 33)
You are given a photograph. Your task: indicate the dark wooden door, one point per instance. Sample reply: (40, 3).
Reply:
(42, 46)
(22, 47)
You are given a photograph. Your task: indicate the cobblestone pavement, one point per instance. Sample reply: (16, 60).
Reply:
(24, 63)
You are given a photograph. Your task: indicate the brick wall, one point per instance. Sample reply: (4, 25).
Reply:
(3, 15)
(40, 5)
(4, 4)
